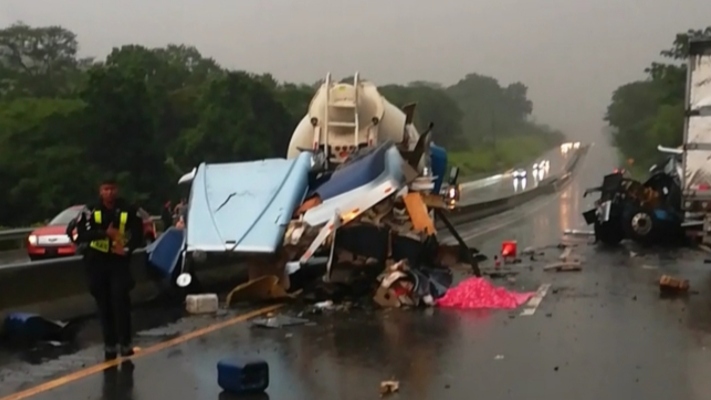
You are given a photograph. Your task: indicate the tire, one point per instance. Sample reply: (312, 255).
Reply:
(608, 233)
(641, 226)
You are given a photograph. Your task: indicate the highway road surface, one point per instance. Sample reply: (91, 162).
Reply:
(601, 333)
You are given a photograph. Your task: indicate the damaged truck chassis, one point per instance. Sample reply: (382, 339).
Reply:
(676, 199)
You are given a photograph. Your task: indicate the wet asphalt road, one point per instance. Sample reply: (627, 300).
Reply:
(602, 333)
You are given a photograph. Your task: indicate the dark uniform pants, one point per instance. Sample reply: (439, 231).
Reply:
(110, 283)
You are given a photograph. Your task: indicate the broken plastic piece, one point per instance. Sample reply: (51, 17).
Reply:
(563, 267)
(508, 249)
(388, 387)
(279, 321)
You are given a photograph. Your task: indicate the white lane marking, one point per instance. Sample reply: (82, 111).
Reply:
(535, 300)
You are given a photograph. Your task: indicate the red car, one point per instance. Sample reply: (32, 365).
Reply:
(51, 241)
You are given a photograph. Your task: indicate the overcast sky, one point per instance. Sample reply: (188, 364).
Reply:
(571, 53)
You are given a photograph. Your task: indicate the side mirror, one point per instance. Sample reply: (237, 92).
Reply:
(453, 175)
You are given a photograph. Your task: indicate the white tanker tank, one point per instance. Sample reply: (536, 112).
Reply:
(345, 117)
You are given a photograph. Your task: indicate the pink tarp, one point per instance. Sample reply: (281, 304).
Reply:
(480, 293)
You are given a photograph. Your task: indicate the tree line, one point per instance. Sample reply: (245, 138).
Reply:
(148, 115)
(650, 112)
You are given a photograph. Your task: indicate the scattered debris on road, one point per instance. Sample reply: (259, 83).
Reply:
(28, 329)
(278, 321)
(578, 232)
(564, 267)
(202, 303)
(389, 387)
(474, 293)
(671, 285)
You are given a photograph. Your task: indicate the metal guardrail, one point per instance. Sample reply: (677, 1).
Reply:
(58, 289)
(22, 233)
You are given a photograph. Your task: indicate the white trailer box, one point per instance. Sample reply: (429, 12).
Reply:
(696, 180)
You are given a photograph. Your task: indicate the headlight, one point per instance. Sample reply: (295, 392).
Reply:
(32, 239)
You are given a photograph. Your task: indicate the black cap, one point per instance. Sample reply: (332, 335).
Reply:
(108, 180)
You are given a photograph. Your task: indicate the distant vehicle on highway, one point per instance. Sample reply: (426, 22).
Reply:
(51, 240)
(519, 173)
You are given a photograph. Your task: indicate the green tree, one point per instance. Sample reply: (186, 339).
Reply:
(650, 112)
(40, 158)
(150, 114)
(240, 119)
(39, 61)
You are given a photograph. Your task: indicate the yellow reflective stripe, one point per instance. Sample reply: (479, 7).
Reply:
(122, 223)
(101, 244)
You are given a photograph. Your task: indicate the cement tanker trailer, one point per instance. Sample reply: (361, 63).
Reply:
(358, 190)
(344, 118)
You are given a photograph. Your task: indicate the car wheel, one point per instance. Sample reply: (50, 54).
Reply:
(35, 258)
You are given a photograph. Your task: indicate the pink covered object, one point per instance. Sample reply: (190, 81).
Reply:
(480, 293)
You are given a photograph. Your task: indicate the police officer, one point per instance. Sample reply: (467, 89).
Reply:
(111, 230)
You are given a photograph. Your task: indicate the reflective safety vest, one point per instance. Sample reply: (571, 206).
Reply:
(103, 245)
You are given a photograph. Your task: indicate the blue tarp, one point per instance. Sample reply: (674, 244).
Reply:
(355, 174)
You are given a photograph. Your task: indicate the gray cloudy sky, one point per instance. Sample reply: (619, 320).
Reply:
(570, 53)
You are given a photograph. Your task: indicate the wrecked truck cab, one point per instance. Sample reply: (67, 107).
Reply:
(606, 216)
(372, 212)
(644, 212)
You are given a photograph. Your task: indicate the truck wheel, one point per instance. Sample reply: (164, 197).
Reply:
(608, 233)
(640, 226)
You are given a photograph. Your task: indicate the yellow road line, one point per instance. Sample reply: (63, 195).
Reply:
(83, 373)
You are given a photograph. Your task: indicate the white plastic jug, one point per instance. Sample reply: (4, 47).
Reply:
(201, 303)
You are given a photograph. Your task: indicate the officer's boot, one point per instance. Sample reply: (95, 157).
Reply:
(110, 352)
(126, 351)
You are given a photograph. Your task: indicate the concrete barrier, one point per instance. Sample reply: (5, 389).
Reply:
(57, 289)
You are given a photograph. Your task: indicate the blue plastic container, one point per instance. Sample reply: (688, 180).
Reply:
(242, 376)
(438, 158)
(164, 253)
(30, 327)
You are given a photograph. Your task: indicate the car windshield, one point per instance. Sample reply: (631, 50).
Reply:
(64, 217)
